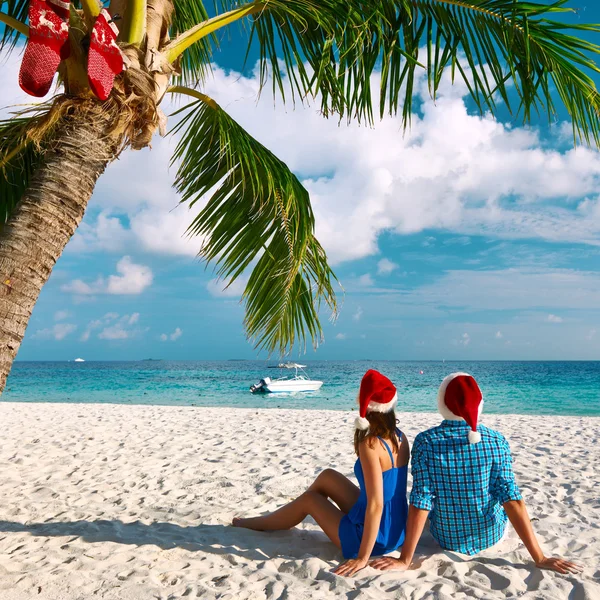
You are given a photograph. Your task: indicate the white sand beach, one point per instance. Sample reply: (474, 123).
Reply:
(134, 502)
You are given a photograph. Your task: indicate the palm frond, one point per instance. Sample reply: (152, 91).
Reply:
(305, 39)
(492, 45)
(19, 157)
(195, 62)
(332, 48)
(259, 214)
(17, 9)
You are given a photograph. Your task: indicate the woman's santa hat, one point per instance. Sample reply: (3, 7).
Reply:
(460, 399)
(377, 394)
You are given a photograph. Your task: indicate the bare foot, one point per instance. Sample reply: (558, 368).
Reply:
(252, 523)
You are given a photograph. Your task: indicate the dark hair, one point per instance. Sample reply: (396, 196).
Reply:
(380, 425)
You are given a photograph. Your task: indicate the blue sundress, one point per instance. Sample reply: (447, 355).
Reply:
(392, 528)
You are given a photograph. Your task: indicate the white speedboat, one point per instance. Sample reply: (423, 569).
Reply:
(300, 382)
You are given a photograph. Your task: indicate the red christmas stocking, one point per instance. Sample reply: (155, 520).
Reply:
(104, 60)
(48, 44)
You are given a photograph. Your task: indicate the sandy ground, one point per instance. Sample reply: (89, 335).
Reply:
(134, 502)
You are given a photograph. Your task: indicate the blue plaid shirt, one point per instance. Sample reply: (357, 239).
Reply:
(463, 485)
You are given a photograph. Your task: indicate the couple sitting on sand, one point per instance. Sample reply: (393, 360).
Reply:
(462, 479)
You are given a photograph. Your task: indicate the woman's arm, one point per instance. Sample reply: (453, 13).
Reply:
(369, 460)
(517, 515)
(373, 474)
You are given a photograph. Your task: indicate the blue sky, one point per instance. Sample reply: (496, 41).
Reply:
(464, 239)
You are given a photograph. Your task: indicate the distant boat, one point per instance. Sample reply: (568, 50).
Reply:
(79, 360)
(297, 383)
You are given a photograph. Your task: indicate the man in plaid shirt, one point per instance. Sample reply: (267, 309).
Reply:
(464, 481)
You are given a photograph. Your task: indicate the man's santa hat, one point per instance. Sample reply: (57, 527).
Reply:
(460, 399)
(377, 394)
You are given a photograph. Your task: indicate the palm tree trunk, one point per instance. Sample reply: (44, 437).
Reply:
(46, 219)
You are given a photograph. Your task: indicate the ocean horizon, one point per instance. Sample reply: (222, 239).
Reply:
(509, 387)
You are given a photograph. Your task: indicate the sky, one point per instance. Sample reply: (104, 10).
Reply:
(463, 238)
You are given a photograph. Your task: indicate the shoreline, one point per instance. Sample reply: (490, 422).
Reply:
(325, 360)
(133, 502)
(338, 411)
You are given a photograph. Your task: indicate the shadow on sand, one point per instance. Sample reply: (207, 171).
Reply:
(293, 544)
(215, 539)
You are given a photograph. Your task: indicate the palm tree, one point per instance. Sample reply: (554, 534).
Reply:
(254, 213)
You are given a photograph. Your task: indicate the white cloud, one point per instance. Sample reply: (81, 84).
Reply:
(452, 171)
(12, 98)
(554, 319)
(340, 336)
(58, 332)
(462, 240)
(358, 314)
(133, 319)
(385, 266)
(172, 336)
(107, 233)
(91, 326)
(61, 315)
(80, 288)
(132, 279)
(219, 288)
(365, 280)
(62, 330)
(112, 326)
(509, 289)
(464, 340)
(114, 332)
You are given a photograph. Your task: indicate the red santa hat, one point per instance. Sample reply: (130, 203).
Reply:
(377, 394)
(460, 399)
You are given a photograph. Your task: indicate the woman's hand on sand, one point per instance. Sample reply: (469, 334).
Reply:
(350, 567)
(388, 563)
(559, 564)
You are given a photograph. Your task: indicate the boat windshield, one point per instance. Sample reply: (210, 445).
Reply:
(297, 367)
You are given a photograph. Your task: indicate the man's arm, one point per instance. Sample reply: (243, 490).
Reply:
(519, 518)
(504, 488)
(415, 523)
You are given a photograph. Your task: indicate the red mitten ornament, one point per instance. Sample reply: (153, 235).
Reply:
(105, 61)
(48, 44)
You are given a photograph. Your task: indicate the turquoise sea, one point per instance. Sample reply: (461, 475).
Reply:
(543, 388)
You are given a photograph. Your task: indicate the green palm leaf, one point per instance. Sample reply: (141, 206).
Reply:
(259, 214)
(332, 48)
(492, 45)
(18, 160)
(195, 62)
(309, 40)
(17, 9)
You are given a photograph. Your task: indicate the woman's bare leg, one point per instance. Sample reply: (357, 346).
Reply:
(332, 484)
(314, 502)
(311, 503)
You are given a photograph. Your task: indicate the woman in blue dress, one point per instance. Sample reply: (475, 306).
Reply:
(365, 520)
